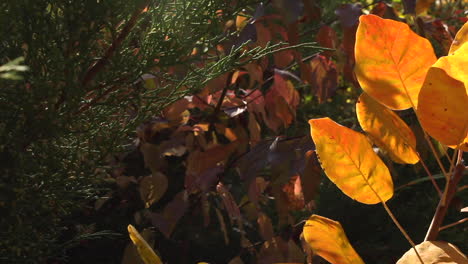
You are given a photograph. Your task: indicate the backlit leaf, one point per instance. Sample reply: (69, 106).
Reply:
(326, 37)
(328, 240)
(391, 61)
(460, 38)
(434, 252)
(146, 252)
(324, 77)
(350, 162)
(443, 99)
(387, 130)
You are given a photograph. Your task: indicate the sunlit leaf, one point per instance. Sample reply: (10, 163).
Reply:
(328, 240)
(146, 252)
(391, 61)
(434, 252)
(443, 99)
(350, 162)
(387, 130)
(460, 38)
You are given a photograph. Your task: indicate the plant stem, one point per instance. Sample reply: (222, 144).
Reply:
(449, 193)
(402, 230)
(429, 174)
(454, 224)
(99, 65)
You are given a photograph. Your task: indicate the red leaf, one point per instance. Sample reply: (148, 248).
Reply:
(326, 37)
(324, 77)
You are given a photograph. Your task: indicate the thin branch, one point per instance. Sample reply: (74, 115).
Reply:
(402, 230)
(429, 174)
(454, 224)
(449, 193)
(99, 65)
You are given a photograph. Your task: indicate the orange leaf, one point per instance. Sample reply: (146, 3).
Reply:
(460, 38)
(391, 61)
(328, 240)
(241, 21)
(387, 130)
(350, 162)
(443, 99)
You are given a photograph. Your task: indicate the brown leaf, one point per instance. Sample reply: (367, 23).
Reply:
(255, 72)
(177, 112)
(311, 176)
(152, 188)
(326, 37)
(229, 203)
(174, 210)
(256, 189)
(324, 76)
(282, 205)
(263, 34)
(281, 102)
(254, 130)
(384, 10)
(434, 252)
(265, 227)
(294, 195)
(152, 157)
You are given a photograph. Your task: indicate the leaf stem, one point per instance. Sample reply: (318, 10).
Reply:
(402, 230)
(429, 174)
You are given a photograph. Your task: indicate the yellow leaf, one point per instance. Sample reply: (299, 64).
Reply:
(391, 61)
(443, 99)
(434, 252)
(460, 38)
(350, 162)
(146, 252)
(387, 130)
(328, 240)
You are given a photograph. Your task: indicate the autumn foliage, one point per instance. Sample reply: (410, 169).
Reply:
(252, 130)
(397, 69)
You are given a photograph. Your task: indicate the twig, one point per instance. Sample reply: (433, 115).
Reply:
(429, 174)
(99, 65)
(454, 224)
(402, 230)
(449, 193)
